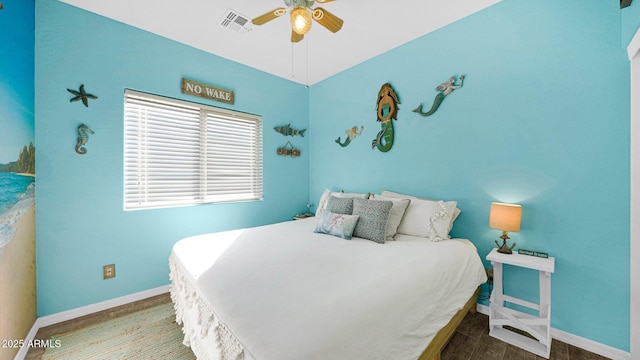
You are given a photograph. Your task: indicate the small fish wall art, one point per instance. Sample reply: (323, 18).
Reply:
(387, 109)
(351, 134)
(83, 137)
(81, 95)
(288, 150)
(444, 89)
(287, 130)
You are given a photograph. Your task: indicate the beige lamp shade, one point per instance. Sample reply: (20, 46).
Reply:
(505, 217)
(300, 20)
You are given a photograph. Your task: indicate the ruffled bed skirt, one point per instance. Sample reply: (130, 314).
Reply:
(208, 338)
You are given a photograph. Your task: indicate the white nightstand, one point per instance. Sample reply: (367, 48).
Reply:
(537, 326)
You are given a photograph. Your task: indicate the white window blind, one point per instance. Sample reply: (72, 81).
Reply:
(179, 153)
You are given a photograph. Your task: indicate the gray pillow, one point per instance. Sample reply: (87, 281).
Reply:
(339, 205)
(374, 215)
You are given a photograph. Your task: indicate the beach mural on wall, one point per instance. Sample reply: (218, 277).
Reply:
(17, 172)
(17, 151)
(17, 191)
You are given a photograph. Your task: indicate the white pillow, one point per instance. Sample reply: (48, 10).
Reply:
(326, 194)
(395, 215)
(322, 204)
(456, 212)
(430, 219)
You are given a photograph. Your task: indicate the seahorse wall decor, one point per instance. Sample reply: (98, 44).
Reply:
(445, 89)
(387, 109)
(351, 134)
(83, 137)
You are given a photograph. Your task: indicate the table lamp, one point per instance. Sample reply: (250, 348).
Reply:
(505, 217)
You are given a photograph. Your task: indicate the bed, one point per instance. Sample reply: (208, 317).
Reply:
(287, 291)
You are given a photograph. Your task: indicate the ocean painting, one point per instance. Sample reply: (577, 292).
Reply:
(17, 191)
(17, 172)
(16, 197)
(17, 150)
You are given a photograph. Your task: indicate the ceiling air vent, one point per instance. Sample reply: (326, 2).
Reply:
(235, 22)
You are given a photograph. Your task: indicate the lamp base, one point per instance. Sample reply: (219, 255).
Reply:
(504, 249)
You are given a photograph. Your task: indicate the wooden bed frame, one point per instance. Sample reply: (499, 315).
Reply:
(432, 352)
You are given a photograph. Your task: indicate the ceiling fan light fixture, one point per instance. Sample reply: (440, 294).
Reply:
(300, 20)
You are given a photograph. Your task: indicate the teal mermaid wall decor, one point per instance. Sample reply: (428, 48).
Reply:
(83, 137)
(387, 108)
(351, 134)
(445, 89)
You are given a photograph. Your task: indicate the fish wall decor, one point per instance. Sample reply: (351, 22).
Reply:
(287, 130)
(351, 134)
(81, 95)
(445, 89)
(387, 109)
(83, 137)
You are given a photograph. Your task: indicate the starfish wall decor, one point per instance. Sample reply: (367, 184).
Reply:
(81, 95)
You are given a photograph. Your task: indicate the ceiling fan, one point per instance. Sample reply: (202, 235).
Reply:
(301, 14)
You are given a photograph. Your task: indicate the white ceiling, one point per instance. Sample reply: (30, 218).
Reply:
(370, 28)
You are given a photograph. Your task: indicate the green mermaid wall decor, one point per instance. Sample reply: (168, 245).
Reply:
(351, 134)
(445, 89)
(387, 108)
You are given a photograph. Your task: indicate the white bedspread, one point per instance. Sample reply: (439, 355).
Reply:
(281, 291)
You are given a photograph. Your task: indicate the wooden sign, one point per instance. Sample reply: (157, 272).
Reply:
(207, 91)
(288, 151)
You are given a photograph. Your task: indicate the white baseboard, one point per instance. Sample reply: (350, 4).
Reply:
(85, 310)
(580, 342)
(577, 341)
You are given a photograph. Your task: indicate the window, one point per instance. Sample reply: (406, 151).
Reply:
(179, 153)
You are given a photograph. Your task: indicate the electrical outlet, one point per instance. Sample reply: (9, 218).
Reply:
(109, 271)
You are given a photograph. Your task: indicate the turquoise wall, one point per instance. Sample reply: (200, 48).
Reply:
(542, 120)
(630, 22)
(80, 222)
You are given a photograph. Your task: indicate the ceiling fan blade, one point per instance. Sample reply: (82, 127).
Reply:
(295, 37)
(264, 18)
(327, 19)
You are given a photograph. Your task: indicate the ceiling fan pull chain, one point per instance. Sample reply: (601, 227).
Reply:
(293, 72)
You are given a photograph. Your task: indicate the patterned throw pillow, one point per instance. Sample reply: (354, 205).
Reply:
(395, 215)
(339, 225)
(339, 205)
(374, 215)
(322, 204)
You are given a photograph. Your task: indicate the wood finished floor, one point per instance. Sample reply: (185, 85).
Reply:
(93, 319)
(471, 341)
